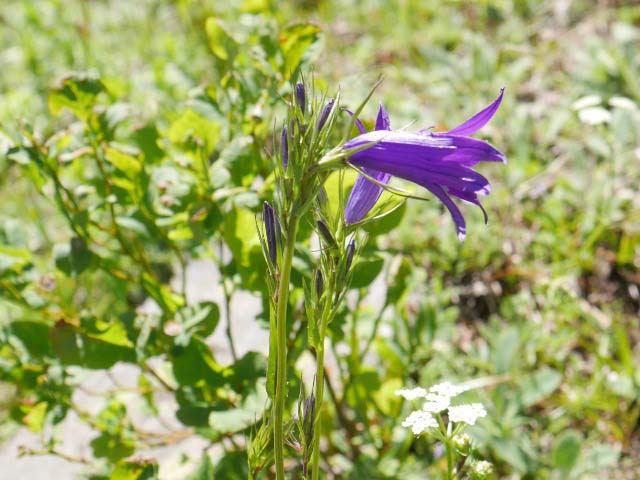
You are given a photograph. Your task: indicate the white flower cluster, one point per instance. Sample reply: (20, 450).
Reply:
(411, 393)
(438, 399)
(467, 413)
(419, 421)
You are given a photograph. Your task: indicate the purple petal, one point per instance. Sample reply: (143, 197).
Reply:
(382, 121)
(471, 198)
(479, 120)
(364, 196)
(421, 159)
(456, 214)
(472, 151)
(452, 148)
(358, 122)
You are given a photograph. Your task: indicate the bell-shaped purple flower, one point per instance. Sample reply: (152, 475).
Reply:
(439, 162)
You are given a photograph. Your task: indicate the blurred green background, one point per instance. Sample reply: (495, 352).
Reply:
(545, 297)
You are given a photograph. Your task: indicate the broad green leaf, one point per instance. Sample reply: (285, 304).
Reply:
(166, 299)
(34, 336)
(74, 347)
(194, 362)
(294, 42)
(241, 160)
(128, 164)
(566, 450)
(78, 94)
(112, 447)
(221, 42)
(73, 257)
(248, 412)
(143, 469)
(204, 471)
(506, 349)
(366, 269)
(200, 319)
(14, 260)
(536, 387)
(34, 420)
(191, 127)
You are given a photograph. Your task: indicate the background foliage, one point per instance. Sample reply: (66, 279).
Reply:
(134, 139)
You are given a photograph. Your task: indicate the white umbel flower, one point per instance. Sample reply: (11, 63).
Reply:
(411, 393)
(436, 403)
(587, 101)
(594, 115)
(467, 413)
(447, 389)
(419, 421)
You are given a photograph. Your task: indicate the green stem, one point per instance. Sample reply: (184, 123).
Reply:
(281, 348)
(449, 447)
(317, 431)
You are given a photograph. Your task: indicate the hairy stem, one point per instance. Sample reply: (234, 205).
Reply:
(281, 348)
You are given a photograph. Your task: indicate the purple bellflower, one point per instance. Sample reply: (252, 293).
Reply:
(441, 162)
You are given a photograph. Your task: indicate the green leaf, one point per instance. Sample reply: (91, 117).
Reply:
(112, 447)
(192, 127)
(388, 221)
(78, 94)
(200, 319)
(365, 271)
(246, 371)
(168, 301)
(134, 225)
(194, 362)
(73, 347)
(506, 349)
(34, 420)
(242, 238)
(14, 260)
(34, 336)
(566, 450)
(204, 471)
(232, 466)
(74, 257)
(241, 160)
(294, 42)
(221, 42)
(537, 387)
(250, 410)
(143, 469)
(128, 164)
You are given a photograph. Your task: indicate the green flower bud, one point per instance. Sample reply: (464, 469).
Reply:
(462, 443)
(481, 470)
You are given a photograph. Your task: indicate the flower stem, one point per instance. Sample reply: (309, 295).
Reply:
(281, 348)
(317, 431)
(449, 447)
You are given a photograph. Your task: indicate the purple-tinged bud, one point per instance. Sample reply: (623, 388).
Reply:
(319, 283)
(269, 218)
(284, 144)
(301, 96)
(326, 234)
(309, 417)
(351, 250)
(324, 115)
